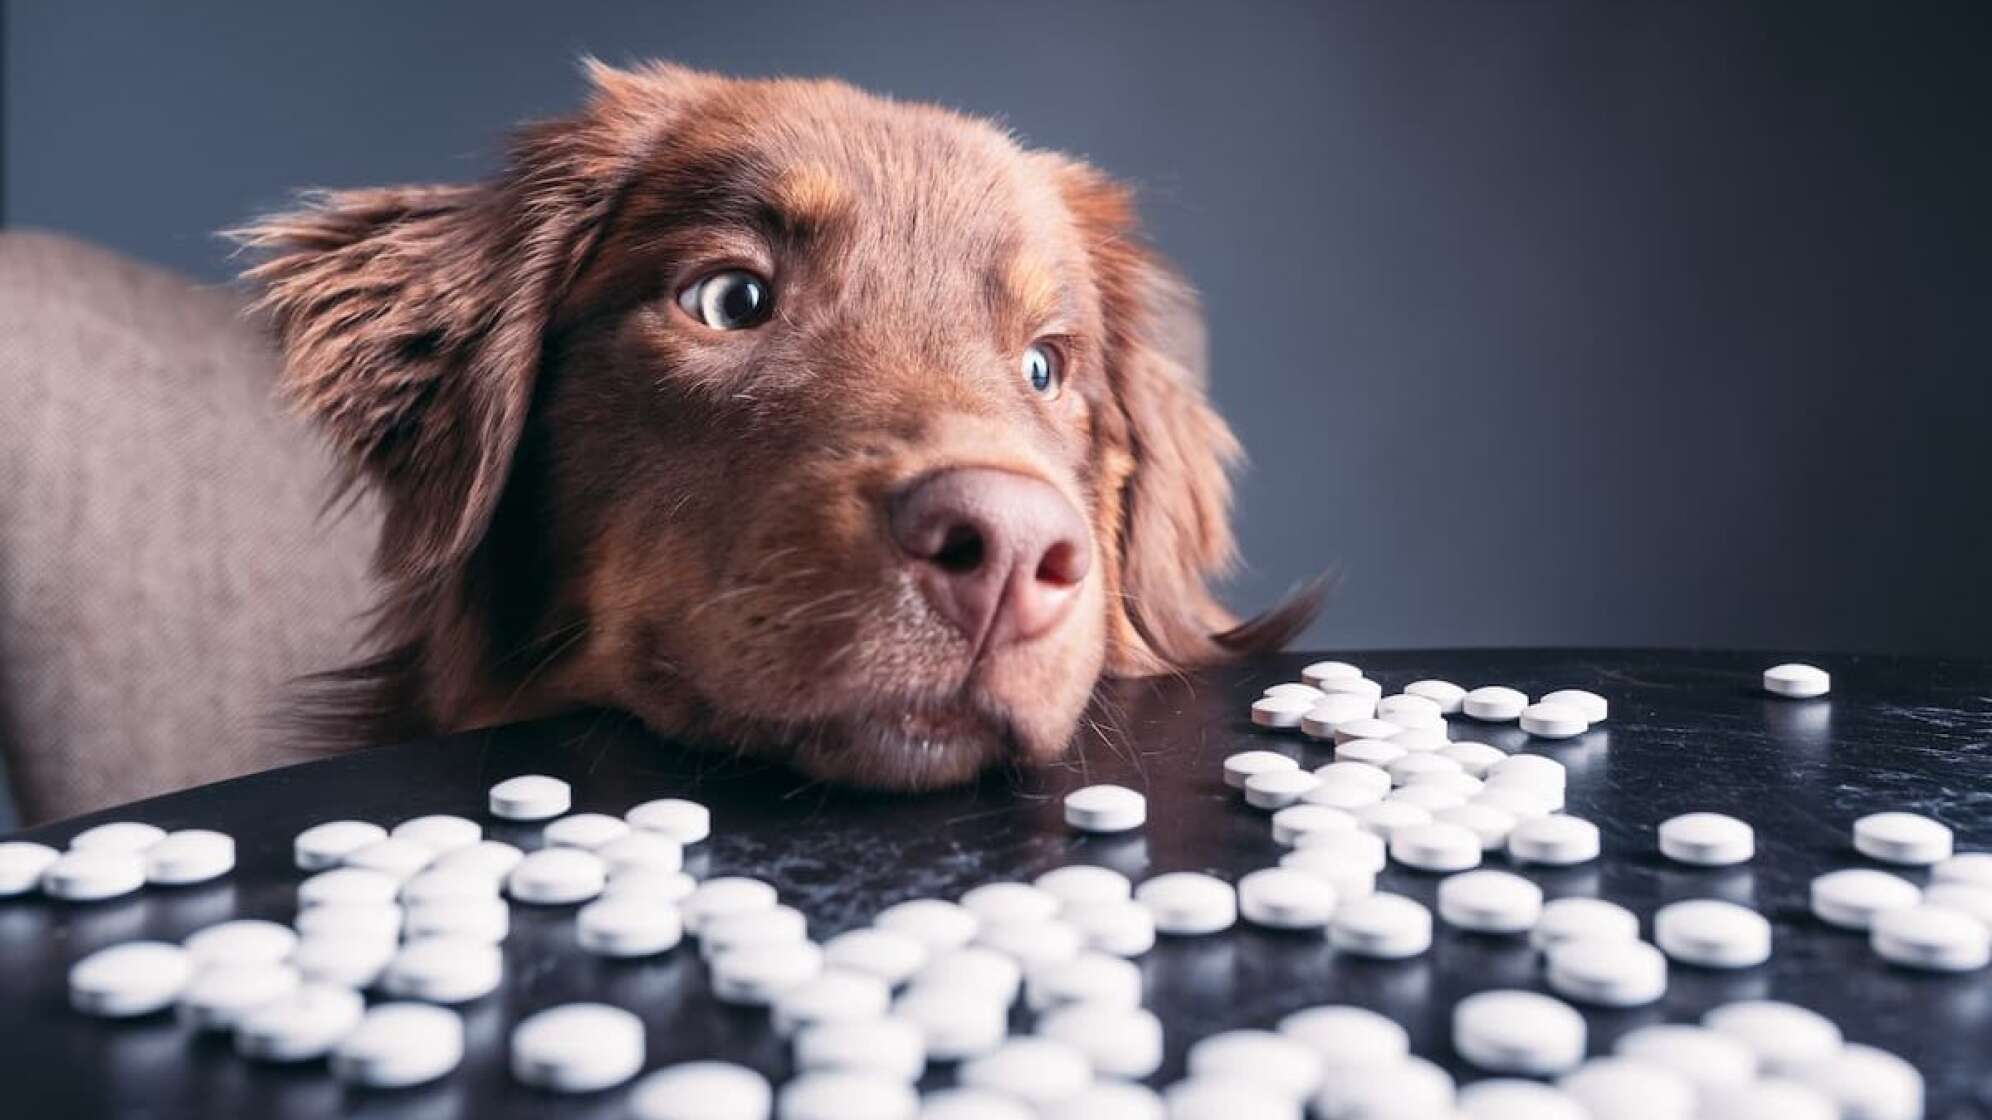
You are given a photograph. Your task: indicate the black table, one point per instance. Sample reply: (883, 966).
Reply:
(1688, 731)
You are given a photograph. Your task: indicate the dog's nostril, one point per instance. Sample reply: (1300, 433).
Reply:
(1060, 565)
(961, 550)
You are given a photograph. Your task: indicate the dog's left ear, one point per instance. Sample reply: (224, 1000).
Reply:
(1166, 455)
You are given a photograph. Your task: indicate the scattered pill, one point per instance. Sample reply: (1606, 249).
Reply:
(301, 1026)
(1379, 753)
(832, 995)
(400, 1044)
(1226, 1098)
(1518, 801)
(1188, 903)
(1854, 897)
(1965, 898)
(1010, 902)
(1512, 1098)
(1107, 1100)
(1356, 773)
(1105, 808)
(761, 927)
(1118, 1041)
(1360, 848)
(1494, 704)
(1553, 721)
(1530, 771)
(995, 977)
(131, 837)
(558, 876)
(1346, 795)
(1282, 898)
(190, 855)
(837, 1094)
(1387, 816)
(1348, 879)
(217, 996)
(1260, 1057)
(1277, 789)
(1490, 824)
(1295, 689)
(1407, 769)
(1974, 868)
(1124, 928)
(1406, 710)
(1627, 1089)
(372, 922)
(888, 955)
(1352, 686)
(1474, 758)
(1039, 1071)
(242, 941)
(1903, 838)
(687, 822)
(1769, 1097)
(1706, 1059)
(1386, 926)
(1567, 919)
(941, 924)
(1593, 707)
(442, 884)
(1783, 1036)
(439, 832)
(1332, 711)
(342, 961)
(1511, 1031)
(1451, 778)
(530, 797)
(1344, 1036)
(1294, 822)
(348, 885)
(1322, 671)
(1447, 695)
(1707, 840)
(892, 1047)
(1490, 902)
(1867, 1084)
(327, 845)
(954, 1022)
(1244, 764)
(1798, 682)
(1712, 933)
(1435, 847)
(443, 970)
(637, 849)
(1280, 712)
(1557, 840)
(1431, 797)
(577, 1048)
(135, 978)
(1608, 971)
(702, 1091)
(961, 1103)
(1932, 938)
(585, 830)
(91, 875)
(21, 865)
(1409, 1087)
(1365, 729)
(1434, 737)
(1032, 942)
(627, 925)
(756, 975)
(398, 859)
(479, 919)
(1089, 977)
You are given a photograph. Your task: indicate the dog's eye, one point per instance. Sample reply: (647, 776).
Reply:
(1042, 369)
(731, 300)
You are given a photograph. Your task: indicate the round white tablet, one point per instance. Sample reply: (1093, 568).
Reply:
(1188, 903)
(1511, 1031)
(833, 995)
(687, 822)
(1593, 707)
(1770, 1097)
(132, 837)
(21, 865)
(1118, 1041)
(1357, 774)
(1904, 838)
(1429, 797)
(1225, 1098)
(1280, 712)
(1082, 884)
(727, 894)
(1558, 840)
(530, 797)
(1474, 758)
(242, 941)
(1089, 977)
(1965, 898)
(1406, 710)
(941, 924)
(444, 970)
(1451, 779)
(1343, 1037)
(1386, 926)
(1410, 1087)
(752, 929)
(1494, 704)
(190, 855)
(371, 922)
(1294, 822)
(1796, 681)
(444, 884)
(1707, 839)
(1352, 686)
(1867, 1084)
(1108, 1100)
(557, 876)
(1435, 847)
(1971, 868)
(890, 956)
(1520, 802)
(89, 875)
(702, 1091)
(1568, 919)
(756, 975)
(1010, 902)
(627, 925)
(892, 1047)
(1707, 1060)
(1411, 767)
(1627, 1089)
(1038, 1071)
(1032, 942)
(1277, 789)
(1447, 695)
(1784, 1036)
(1348, 880)
(301, 1026)
(1511, 1098)
(956, 1022)
(1345, 795)
(1712, 933)
(216, 997)
(1105, 808)
(1387, 816)
(1490, 902)
(642, 851)
(1379, 753)
(1124, 928)
(1244, 764)
(1322, 671)
(577, 1048)
(1359, 848)
(1380, 729)
(1608, 972)
(1260, 1057)
(1332, 711)
(1491, 825)
(400, 1044)
(439, 832)
(1434, 737)
(986, 972)
(846, 1095)
(1854, 897)
(1932, 938)
(961, 1103)
(1281, 898)
(345, 962)
(493, 859)
(1553, 721)
(1295, 688)
(585, 830)
(1530, 771)
(478, 919)
(135, 978)
(398, 859)
(327, 845)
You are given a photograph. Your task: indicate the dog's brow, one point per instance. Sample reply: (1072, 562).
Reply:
(1028, 287)
(809, 196)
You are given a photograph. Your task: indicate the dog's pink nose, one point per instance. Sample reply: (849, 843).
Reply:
(999, 555)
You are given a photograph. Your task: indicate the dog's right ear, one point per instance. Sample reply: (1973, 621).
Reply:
(412, 319)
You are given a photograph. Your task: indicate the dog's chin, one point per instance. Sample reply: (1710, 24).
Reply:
(908, 750)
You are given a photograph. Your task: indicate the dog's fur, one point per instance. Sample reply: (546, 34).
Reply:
(592, 499)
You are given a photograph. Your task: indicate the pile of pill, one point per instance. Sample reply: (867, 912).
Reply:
(395, 928)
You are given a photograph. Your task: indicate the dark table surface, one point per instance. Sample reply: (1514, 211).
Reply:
(1688, 731)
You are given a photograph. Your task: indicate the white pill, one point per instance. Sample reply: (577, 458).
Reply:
(216, 997)
(1447, 695)
(557, 876)
(1387, 816)
(1903, 838)
(1379, 753)
(530, 797)
(585, 830)
(1712, 933)
(190, 855)
(665, 887)
(1082, 884)
(1295, 688)
(1494, 704)
(1357, 774)
(1118, 1041)
(995, 977)
(1431, 798)
(1226, 1098)
(1090, 977)
(1346, 795)
(1124, 928)
(1277, 789)
(397, 859)
(1784, 1036)
(888, 955)
(1557, 840)
(1407, 769)
(1407, 711)
(1932, 938)
(1411, 1087)
(1491, 825)
(702, 1091)
(1189, 903)
(21, 865)
(1450, 778)
(135, 978)
(301, 1026)
(243, 941)
(1520, 802)
(1359, 848)
(1475, 759)
(1379, 729)
(833, 995)
(87, 875)
(1283, 898)
(1332, 711)
(1436, 847)
(941, 924)
(1431, 738)
(757, 975)
(1511, 1098)
(1627, 1089)
(1608, 972)
(1553, 721)
(627, 926)
(1970, 868)
(577, 1048)
(1348, 879)
(1386, 926)
(1296, 821)
(400, 1044)
(1707, 839)
(640, 850)
(1709, 1061)
(1352, 686)
(444, 970)
(1593, 707)
(1490, 902)
(1244, 764)
(1263, 1058)
(442, 884)
(328, 844)
(687, 822)
(1867, 1084)
(1105, 808)
(1108, 1100)
(1321, 671)
(439, 832)
(1797, 682)
(1343, 1037)
(370, 922)
(1770, 1097)
(846, 1095)
(344, 962)
(974, 1104)
(1568, 919)
(1280, 712)
(1032, 942)
(1965, 898)
(130, 837)
(955, 1022)
(726, 895)
(752, 929)
(493, 859)
(1530, 771)
(1854, 897)
(1510, 1031)
(1009, 902)
(1039, 1071)
(892, 1047)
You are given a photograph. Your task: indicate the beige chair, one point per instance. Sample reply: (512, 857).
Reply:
(165, 570)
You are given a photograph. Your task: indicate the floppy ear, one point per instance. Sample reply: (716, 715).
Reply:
(412, 319)
(1167, 455)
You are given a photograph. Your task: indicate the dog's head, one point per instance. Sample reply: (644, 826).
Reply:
(778, 414)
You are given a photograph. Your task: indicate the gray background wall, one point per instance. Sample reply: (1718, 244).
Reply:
(1630, 323)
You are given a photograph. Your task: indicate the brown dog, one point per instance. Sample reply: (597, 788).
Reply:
(782, 416)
